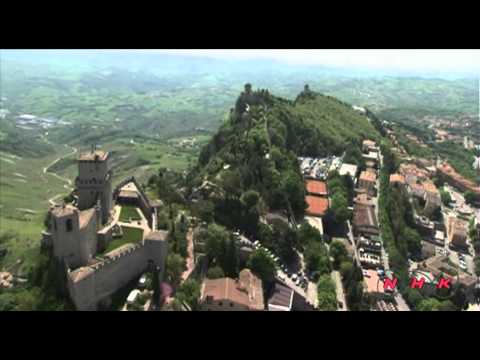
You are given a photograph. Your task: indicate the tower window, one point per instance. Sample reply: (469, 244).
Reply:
(69, 225)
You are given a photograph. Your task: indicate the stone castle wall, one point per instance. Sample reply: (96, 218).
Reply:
(112, 274)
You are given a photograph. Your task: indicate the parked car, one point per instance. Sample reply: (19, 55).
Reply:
(142, 281)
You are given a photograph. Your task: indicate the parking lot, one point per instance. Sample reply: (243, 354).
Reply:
(462, 261)
(298, 281)
(318, 168)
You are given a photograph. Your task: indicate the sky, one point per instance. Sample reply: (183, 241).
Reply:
(415, 60)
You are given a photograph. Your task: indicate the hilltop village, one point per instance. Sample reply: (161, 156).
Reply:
(272, 219)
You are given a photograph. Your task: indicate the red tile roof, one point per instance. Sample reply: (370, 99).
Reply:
(430, 187)
(317, 206)
(368, 176)
(397, 178)
(316, 187)
(246, 291)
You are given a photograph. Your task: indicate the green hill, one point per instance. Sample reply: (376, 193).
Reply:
(253, 157)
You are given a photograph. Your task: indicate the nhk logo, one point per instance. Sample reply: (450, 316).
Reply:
(442, 286)
(417, 281)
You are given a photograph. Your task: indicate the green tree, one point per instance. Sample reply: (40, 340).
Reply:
(307, 234)
(285, 241)
(338, 212)
(8, 300)
(175, 266)
(250, 198)
(215, 245)
(338, 252)
(204, 210)
(446, 197)
(327, 297)
(189, 293)
(316, 259)
(477, 265)
(230, 264)
(215, 272)
(156, 285)
(262, 265)
(430, 304)
(469, 197)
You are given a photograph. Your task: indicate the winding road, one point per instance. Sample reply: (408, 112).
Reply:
(46, 170)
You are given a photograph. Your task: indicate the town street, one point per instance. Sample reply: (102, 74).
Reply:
(337, 279)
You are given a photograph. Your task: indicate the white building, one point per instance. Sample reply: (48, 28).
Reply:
(348, 169)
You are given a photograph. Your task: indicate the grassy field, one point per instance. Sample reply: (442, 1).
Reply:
(130, 236)
(25, 189)
(129, 213)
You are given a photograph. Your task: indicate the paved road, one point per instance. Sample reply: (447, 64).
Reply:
(190, 258)
(337, 279)
(354, 246)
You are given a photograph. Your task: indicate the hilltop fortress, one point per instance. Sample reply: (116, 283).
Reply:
(105, 238)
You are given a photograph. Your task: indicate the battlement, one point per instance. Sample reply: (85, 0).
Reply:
(110, 258)
(94, 156)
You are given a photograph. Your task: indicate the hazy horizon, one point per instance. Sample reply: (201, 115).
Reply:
(353, 62)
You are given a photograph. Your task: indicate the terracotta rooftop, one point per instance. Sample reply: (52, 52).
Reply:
(364, 216)
(368, 176)
(316, 187)
(446, 169)
(413, 170)
(430, 187)
(368, 142)
(397, 178)
(130, 186)
(246, 291)
(317, 206)
(96, 155)
(458, 226)
(363, 199)
(128, 194)
(372, 282)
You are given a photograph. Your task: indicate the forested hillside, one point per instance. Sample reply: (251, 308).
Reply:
(251, 163)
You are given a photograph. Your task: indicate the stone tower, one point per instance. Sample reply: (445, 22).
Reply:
(94, 182)
(73, 234)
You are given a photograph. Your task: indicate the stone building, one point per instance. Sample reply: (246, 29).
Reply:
(79, 236)
(367, 181)
(457, 230)
(94, 182)
(226, 294)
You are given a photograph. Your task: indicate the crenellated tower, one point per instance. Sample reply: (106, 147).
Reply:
(94, 182)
